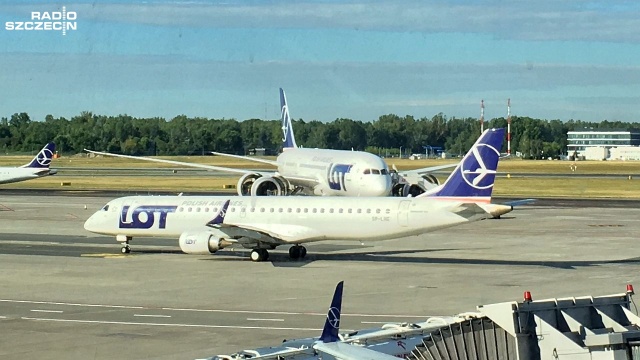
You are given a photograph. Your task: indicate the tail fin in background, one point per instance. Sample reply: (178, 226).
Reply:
(43, 159)
(332, 324)
(288, 139)
(475, 174)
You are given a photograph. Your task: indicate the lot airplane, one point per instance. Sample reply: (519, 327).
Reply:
(205, 224)
(38, 167)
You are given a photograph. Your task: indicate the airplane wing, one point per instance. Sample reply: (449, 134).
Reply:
(201, 166)
(264, 161)
(430, 169)
(344, 351)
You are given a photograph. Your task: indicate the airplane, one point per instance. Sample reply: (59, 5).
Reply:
(393, 341)
(38, 167)
(303, 171)
(206, 224)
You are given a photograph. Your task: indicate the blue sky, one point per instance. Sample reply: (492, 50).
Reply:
(570, 59)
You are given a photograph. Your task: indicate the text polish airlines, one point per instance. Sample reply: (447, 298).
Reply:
(205, 224)
(38, 167)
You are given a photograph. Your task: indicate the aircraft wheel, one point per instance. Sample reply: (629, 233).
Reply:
(294, 252)
(125, 249)
(259, 255)
(303, 252)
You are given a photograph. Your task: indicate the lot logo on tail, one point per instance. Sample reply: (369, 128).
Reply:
(287, 132)
(143, 217)
(333, 317)
(44, 157)
(473, 168)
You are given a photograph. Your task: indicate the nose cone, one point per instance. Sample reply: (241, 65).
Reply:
(93, 224)
(380, 186)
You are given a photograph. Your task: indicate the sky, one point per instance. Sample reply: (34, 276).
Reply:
(569, 59)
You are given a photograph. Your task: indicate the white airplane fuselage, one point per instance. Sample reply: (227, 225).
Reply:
(10, 175)
(292, 219)
(335, 172)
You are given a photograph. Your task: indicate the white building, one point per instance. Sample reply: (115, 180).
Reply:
(578, 141)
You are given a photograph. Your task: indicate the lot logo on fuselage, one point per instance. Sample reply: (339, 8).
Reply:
(336, 176)
(144, 216)
(473, 168)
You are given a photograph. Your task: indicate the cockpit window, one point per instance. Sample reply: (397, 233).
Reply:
(367, 172)
(375, 172)
(384, 172)
(105, 208)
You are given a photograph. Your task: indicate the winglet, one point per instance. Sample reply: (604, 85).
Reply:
(332, 324)
(219, 219)
(475, 174)
(43, 158)
(288, 139)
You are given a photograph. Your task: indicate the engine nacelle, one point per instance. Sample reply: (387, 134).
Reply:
(270, 186)
(405, 190)
(431, 179)
(245, 183)
(201, 243)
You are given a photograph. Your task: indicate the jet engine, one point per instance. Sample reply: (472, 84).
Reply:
(201, 243)
(257, 185)
(414, 185)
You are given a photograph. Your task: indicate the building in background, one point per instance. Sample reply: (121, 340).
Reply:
(611, 141)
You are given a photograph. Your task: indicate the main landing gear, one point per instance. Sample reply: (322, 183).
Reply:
(295, 252)
(125, 249)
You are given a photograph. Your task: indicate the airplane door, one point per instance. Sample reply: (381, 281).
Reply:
(243, 211)
(403, 213)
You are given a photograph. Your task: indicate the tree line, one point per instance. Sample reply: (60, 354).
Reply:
(182, 135)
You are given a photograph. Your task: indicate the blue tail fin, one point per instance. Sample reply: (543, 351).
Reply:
(332, 324)
(475, 174)
(219, 219)
(43, 159)
(288, 140)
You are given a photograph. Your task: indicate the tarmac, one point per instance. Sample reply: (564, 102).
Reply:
(68, 294)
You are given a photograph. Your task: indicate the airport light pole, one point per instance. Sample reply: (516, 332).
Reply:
(400, 151)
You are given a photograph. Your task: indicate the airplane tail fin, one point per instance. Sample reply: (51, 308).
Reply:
(43, 158)
(332, 324)
(288, 139)
(474, 176)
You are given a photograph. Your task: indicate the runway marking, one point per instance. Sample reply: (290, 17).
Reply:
(71, 304)
(152, 315)
(374, 322)
(168, 324)
(213, 310)
(258, 319)
(3, 317)
(293, 313)
(47, 311)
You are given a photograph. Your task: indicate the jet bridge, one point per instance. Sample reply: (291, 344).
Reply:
(576, 328)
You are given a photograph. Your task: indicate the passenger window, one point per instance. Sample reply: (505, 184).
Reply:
(340, 211)
(388, 211)
(321, 211)
(375, 171)
(289, 210)
(359, 211)
(233, 209)
(271, 210)
(180, 209)
(349, 211)
(189, 210)
(306, 210)
(280, 210)
(215, 209)
(378, 211)
(298, 210)
(314, 210)
(331, 211)
(242, 209)
(368, 211)
(206, 209)
(253, 209)
(261, 209)
(198, 209)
